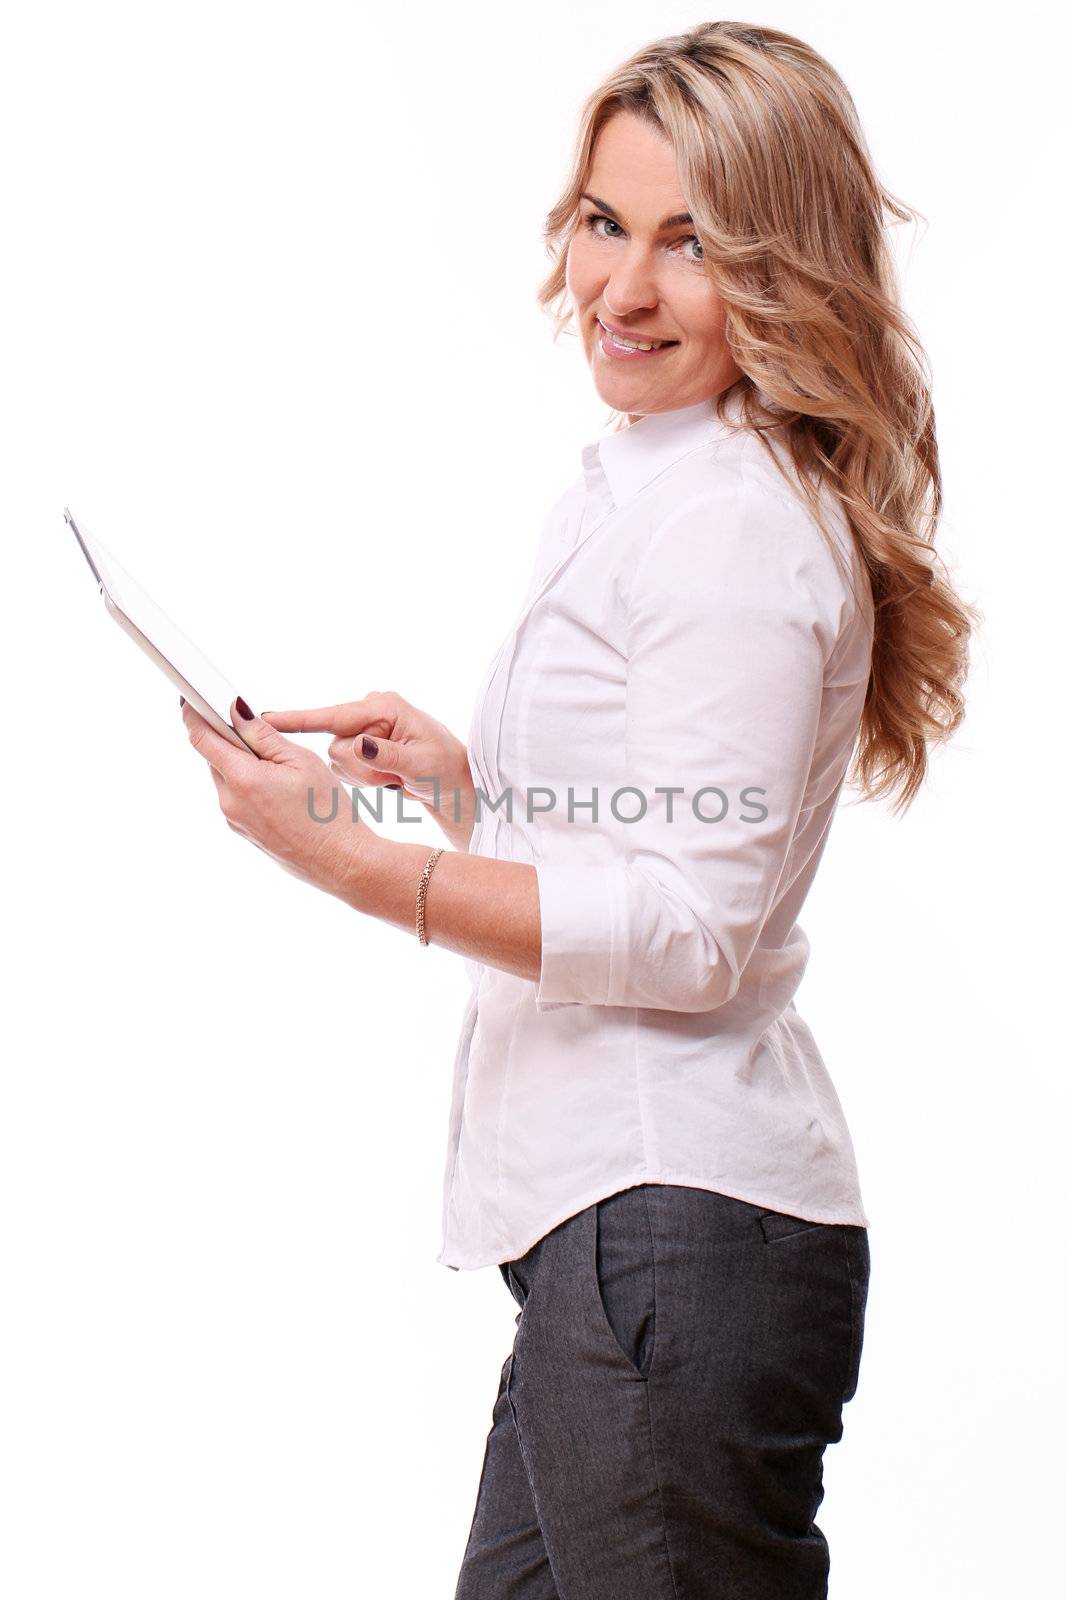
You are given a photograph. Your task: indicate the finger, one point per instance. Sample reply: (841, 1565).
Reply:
(359, 773)
(344, 753)
(343, 719)
(267, 743)
(385, 757)
(224, 757)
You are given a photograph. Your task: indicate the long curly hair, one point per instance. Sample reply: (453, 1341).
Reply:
(793, 221)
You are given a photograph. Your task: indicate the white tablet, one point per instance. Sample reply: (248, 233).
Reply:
(137, 615)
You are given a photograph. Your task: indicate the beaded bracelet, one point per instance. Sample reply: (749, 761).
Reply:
(420, 898)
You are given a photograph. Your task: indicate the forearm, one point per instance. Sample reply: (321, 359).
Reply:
(478, 906)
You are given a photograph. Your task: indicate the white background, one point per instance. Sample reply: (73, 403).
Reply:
(269, 327)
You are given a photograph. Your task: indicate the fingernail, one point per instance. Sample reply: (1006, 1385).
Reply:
(369, 747)
(181, 699)
(394, 786)
(244, 709)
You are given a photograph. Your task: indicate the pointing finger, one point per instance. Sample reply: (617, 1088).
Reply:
(343, 719)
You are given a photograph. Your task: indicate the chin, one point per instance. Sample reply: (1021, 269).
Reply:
(621, 396)
(612, 395)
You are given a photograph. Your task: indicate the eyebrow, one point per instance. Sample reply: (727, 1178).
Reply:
(668, 222)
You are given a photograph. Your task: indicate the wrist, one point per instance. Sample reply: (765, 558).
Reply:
(452, 806)
(461, 828)
(367, 862)
(383, 879)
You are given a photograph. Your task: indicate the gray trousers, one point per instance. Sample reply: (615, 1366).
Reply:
(680, 1363)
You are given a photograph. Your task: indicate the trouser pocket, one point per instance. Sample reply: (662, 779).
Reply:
(624, 1274)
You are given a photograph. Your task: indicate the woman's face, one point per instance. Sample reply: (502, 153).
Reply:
(635, 265)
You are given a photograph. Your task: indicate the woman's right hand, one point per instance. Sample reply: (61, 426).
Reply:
(382, 740)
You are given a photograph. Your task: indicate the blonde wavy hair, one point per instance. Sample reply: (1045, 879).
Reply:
(792, 219)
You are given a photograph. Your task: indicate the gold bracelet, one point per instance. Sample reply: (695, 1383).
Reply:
(420, 898)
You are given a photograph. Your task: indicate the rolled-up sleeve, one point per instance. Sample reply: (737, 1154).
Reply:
(734, 609)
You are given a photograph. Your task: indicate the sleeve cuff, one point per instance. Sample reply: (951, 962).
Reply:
(583, 935)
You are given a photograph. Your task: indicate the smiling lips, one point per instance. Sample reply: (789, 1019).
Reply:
(629, 347)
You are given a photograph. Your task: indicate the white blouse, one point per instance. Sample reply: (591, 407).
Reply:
(663, 734)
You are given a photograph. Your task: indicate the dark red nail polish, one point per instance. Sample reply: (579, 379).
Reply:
(181, 699)
(244, 709)
(394, 786)
(369, 747)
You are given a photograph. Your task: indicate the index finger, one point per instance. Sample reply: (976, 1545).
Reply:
(352, 717)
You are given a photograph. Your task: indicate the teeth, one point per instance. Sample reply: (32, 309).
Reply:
(631, 344)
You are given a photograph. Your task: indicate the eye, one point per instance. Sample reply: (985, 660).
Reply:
(595, 217)
(593, 220)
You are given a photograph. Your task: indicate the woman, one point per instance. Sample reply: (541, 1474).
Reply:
(737, 594)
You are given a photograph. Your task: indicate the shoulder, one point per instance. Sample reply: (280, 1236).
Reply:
(731, 512)
(734, 480)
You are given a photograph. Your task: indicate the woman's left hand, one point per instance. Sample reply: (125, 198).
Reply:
(274, 796)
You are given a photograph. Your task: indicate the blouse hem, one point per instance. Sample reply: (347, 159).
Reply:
(468, 1261)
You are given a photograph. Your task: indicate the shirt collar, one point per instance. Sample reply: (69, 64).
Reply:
(630, 458)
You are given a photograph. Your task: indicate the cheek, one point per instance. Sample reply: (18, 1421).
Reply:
(581, 273)
(704, 315)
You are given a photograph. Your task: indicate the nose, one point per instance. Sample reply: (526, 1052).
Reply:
(631, 286)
